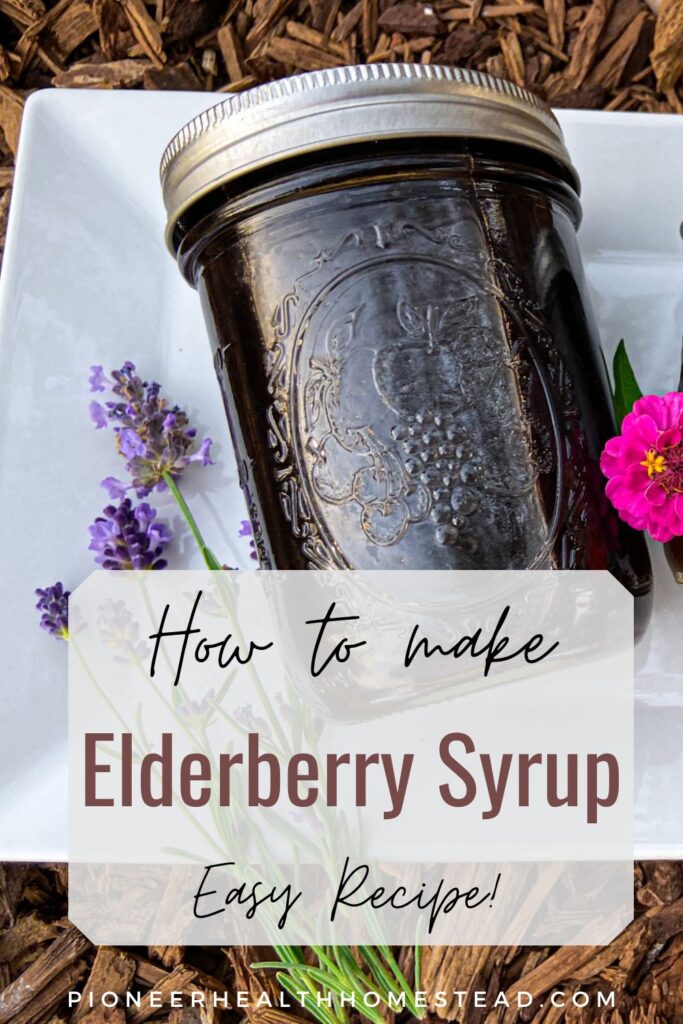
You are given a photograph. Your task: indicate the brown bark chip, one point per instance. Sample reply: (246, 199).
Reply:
(667, 55)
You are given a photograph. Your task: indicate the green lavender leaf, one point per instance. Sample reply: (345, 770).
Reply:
(338, 973)
(626, 389)
(210, 560)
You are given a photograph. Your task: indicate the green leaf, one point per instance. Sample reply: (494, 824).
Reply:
(626, 389)
(210, 559)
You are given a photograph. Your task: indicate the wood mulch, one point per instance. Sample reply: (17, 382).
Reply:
(611, 54)
(43, 957)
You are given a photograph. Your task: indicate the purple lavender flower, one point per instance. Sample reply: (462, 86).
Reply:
(194, 710)
(116, 489)
(97, 379)
(98, 415)
(54, 604)
(245, 717)
(119, 630)
(246, 531)
(153, 438)
(128, 537)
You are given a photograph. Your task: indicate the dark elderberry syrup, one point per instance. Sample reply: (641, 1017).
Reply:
(409, 364)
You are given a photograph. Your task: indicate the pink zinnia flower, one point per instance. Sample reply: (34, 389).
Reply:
(644, 466)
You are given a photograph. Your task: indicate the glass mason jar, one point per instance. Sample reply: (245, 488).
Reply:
(388, 266)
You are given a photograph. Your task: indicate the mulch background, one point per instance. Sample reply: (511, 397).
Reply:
(43, 957)
(609, 54)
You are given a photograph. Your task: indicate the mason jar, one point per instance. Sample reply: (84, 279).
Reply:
(387, 260)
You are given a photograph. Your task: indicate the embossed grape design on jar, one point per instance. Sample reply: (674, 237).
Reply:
(388, 265)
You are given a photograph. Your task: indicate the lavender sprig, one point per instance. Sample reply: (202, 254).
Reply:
(53, 604)
(129, 537)
(157, 441)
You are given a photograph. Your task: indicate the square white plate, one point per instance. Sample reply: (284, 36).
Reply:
(86, 279)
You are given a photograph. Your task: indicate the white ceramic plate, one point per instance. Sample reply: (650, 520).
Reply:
(86, 279)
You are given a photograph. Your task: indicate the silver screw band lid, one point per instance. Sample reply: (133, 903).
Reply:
(338, 106)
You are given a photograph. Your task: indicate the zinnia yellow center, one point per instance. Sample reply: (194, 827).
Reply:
(654, 463)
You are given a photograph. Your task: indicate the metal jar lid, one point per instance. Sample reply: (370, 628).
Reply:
(338, 106)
